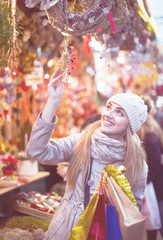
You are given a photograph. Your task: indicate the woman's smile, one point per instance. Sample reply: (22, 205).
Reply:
(107, 122)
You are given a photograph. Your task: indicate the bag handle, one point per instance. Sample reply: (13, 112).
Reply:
(108, 196)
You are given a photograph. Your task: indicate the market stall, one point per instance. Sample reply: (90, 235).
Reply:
(101, 46)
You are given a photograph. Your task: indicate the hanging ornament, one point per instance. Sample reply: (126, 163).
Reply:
(97, 17)
(91, 16)
(64, 63)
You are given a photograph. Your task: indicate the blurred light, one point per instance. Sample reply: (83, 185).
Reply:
(128, 67)
(34, 86)
(113, 49)
(95, 44)
(50, 63)
(69, 80)
(101, 87)
(120, 59)
(47, 76)
(159, 102)
(66, 34)
(90, 71)
(39, 51)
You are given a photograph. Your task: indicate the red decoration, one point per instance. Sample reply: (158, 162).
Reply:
(5, 112)
(74, 63)
(23, 86)
(112, 22)
(99, 29)
(87, 48)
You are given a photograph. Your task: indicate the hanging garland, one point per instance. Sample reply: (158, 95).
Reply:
(8, 42)
(122, 21)
(78, 24)
(119, 177)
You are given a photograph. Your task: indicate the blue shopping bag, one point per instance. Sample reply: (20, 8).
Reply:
(112, 224)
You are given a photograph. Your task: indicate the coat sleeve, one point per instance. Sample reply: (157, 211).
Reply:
(43, 149)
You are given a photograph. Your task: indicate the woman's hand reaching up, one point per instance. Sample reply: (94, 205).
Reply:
(55, 88)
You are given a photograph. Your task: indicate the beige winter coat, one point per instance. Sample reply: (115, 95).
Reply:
(60, 150)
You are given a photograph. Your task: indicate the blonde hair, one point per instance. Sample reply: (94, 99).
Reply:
(82, 157)
(135, 157)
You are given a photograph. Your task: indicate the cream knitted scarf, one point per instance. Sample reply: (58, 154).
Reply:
(106, 149)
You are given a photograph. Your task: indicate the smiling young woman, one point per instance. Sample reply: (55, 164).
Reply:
(111, 140)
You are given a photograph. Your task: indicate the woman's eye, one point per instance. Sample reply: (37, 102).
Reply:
(108, 107)
(119, 113)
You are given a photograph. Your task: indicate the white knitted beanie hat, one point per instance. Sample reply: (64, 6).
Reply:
(134, 107)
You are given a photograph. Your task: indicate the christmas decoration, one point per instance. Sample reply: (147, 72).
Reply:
(10, 29)
(122, 21)
(64, 63)
(93, 13)
(119, 177)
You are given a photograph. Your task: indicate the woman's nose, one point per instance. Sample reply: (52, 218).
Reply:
(110, 113)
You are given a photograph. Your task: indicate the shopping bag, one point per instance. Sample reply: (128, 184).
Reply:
(98, 226)
(112, 224)
(81, 229)
(150, 209)
(132, 222)
(113, 231)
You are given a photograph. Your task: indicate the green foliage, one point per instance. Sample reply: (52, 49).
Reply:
(6, 34)
(28, 223)
(6, 149)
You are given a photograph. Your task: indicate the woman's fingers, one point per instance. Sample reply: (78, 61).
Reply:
(55, 81)
(56, 73)
(55, 86)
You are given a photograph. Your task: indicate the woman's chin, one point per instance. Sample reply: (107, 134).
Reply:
(104, 130)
